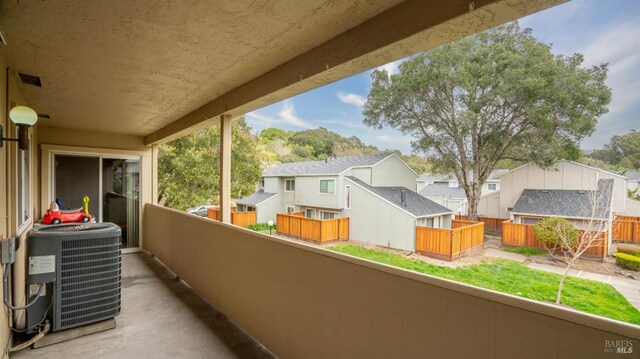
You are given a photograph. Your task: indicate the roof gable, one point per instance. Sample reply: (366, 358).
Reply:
(416, 204)
(329, 166)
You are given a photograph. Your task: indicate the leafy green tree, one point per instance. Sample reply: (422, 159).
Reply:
(189, 172)
(624, 150)
(271, 134)
(496, 95)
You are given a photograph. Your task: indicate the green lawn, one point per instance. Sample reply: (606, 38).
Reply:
(514, 278)
(525, 250)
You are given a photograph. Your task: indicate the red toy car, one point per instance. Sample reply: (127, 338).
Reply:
(57, 217)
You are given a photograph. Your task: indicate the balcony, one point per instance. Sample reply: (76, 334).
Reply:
(161, 318)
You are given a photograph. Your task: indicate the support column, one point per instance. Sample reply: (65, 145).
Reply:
(225, 168)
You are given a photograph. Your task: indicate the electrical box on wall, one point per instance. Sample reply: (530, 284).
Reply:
(8, 249)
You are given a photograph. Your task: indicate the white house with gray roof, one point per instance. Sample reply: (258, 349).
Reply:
(377, 192)
(444, 189)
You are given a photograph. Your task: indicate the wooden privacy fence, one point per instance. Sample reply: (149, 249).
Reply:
(626, 229)
(523, 235)
(450, 244)
(491, 224)
(317, 230)
(240, 219)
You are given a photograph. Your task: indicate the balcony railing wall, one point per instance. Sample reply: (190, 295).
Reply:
(279, 291)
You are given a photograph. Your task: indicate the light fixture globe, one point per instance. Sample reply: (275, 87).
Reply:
(23, 116)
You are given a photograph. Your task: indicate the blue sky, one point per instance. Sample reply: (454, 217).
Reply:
(604, 31)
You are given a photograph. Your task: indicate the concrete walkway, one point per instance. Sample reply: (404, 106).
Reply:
(629, 288)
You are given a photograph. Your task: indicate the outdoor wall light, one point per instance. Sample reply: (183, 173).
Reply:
(24, 117)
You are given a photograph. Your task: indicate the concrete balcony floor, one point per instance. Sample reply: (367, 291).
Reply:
(160, 318)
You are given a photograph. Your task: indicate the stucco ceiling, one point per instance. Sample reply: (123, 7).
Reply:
(135, 66)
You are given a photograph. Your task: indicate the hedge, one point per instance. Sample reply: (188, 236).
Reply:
(259, 227)
(628, 261)
(632, 249)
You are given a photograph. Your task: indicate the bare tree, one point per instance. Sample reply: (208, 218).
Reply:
(573, 243)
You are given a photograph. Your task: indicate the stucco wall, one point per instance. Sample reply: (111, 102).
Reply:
(374, 220)
(302, 301)
(393, 172)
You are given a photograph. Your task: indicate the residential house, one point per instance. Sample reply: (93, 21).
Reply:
(444, 189)
(374, 191)
(561, 190)
(633, 178)
(119, 78)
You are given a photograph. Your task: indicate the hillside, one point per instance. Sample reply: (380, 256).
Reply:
(320, 143)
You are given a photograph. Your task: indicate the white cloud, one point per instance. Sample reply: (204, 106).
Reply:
(286, 116)
(392, 67)
(351, 99)
(384, 138)
(289, 115)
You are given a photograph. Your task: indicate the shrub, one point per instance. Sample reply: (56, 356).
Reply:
(628, 261)
(259, 227)
(556, 231)
(632, 249)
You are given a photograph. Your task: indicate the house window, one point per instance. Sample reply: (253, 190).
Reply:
(262, 183)
(492, 186)
(347, 197)
(532, 221)
(289, 185)
(24, 186)
(328, 186)
(251, 209)
(453, 184)
(291, 209)
(310, 213)
(328, 215)
(429, 222)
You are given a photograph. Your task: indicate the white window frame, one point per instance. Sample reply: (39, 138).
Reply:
(495, 186)
(327, 193)
(262, 183)
(313, 210)
(347, 197)
(23, 191)
(287, 181)
(336, 214)
(293, 209)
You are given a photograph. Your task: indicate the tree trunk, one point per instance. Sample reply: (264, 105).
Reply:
(473, 207)
(564, 276)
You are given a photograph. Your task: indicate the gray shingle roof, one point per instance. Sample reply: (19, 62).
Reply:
(255, 198)
(567, 203)
(442, 190)
(447, 177)
(330, 166)
(632, 175)
(416, 204)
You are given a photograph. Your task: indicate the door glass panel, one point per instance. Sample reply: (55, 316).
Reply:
(121, 197)
(76, 177)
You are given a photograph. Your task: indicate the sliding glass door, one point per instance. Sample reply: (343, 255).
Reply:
(112, 184)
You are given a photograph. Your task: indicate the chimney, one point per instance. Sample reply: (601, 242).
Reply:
(403, 198)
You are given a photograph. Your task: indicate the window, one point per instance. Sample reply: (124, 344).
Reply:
(24, 188)
(262, 183)
(328, 186)
(291, 209)
(347, 197)
(532, 221)
(289, 185)
(492, 186)
(453, 184)
(310, 213)
(329, 215)
(251, 209)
